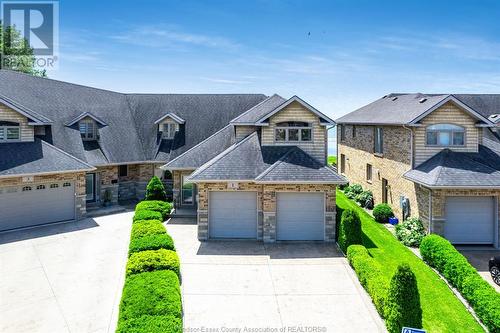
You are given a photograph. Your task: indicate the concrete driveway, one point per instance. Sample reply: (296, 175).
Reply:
(478, 256)
(237, 284)
(64, 278)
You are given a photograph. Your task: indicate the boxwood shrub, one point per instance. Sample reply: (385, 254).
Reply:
(484, 299)
(370, 275)
(152, 293)
(382, 212)
(162, 207)
(147, 215)
(153, 260)
(151, 242)
(403, 301)
(149, 324)
(143, 228)
(349, 229)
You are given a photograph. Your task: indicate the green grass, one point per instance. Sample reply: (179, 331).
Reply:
(332, 160)
(441, 310)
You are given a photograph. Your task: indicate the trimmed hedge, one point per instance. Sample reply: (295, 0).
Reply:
(155, 190)
(147, 228)
(154, 205)
(370, 275)
(403, 301)
(149, 324)
(382, 212)
(148, 261)
(152, 293)
(440, 254)
(349, 229)
(147, 215)
(151, 242)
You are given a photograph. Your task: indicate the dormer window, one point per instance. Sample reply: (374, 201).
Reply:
(9, 131)
(88, 129)
(293, 131)
(168, 130)
(445, 135)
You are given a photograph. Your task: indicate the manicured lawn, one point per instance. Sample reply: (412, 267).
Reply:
(332, 160)
(442, 311)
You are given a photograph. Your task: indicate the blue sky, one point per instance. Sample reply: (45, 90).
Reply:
(337, 55)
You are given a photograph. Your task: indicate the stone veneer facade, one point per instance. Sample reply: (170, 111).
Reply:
(266, 208)
(77, 178)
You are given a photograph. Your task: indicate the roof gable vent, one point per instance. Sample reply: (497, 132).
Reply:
(422, 100)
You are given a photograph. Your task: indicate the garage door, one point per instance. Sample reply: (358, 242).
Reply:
(232, 215)
(470, 220)
(300, 216)
(35, 204)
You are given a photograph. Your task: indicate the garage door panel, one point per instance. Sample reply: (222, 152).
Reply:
(232, 215)
(300, 216)
(20, 208)
(470, 220)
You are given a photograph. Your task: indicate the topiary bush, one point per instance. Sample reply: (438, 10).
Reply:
(162, 207)
(148, 324)
(382, 212)
(365, 199)
(349, 229)
(147, 215)
(484, 299)
(155, 190)
(145, 228)
(151, 242)
(152, 293)
(148, 261)
(370, 275)
(410, 232)
(403, 301)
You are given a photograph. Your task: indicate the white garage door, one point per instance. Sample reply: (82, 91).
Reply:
(34, 204)
(232, 215)
(470, 220)
(300, 216)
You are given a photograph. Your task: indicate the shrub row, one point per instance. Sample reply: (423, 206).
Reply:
(151, 299)
(349, 229)
(440, 254)
(363, 197)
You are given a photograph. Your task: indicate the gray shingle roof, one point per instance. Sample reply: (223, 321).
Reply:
(36, 157)
(204, 151)
(457, 169)
(130, 134)
(260, 110)
(248, 160)
(400, 109)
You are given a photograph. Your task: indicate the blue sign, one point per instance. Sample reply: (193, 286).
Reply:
(412, 330)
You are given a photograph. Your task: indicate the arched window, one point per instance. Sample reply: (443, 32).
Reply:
(293, 131)
(445, 135)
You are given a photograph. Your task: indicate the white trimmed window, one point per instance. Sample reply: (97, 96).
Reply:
(169, 130)
(293, 131)
(88, 129)
(10, 132)
(445, 135)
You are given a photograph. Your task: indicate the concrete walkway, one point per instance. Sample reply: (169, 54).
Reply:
(238, 284)
(64, 278)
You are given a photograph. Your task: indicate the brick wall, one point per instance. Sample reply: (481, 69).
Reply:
(266, 207)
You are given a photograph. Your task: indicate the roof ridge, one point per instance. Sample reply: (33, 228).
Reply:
(253, 107)
(221, 155)
(275, 164)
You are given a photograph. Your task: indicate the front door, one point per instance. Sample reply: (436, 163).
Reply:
(385, 190)
(187, 192)
(90, 186)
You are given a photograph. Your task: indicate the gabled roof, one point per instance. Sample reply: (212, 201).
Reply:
(325, 120)
(172, 116)
(251, 116)
(85, 115)
(408, 109)
(451, 169)
(247, 160)
(202, 152)
(34, 116)
(38, 157)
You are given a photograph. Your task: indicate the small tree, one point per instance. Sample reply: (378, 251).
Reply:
(155, 190)
(403, 301)
(349, 230)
